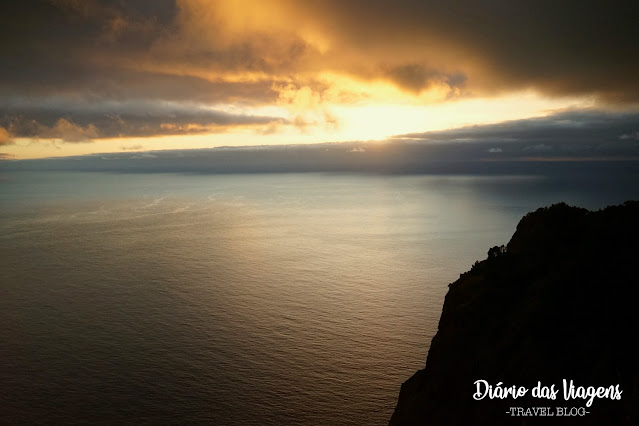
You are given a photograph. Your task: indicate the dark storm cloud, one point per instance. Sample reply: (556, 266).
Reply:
(82, 121)
(90, 48)
(108, 83)
(200, 52)
(70, 71)
(566, 134)
(415, 77)
(561, 48)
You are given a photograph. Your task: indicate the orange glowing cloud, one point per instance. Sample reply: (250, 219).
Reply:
(289, 71)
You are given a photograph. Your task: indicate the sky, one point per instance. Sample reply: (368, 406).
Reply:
(95, 76)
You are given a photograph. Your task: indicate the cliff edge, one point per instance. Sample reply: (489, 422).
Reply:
(558, 302)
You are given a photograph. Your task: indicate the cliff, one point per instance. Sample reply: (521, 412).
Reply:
(558, 302)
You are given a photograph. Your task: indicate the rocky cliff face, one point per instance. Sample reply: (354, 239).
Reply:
(558, 302)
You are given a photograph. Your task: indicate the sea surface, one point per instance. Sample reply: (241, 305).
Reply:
(276, 299)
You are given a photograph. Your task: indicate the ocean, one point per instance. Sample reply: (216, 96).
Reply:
(255, 299)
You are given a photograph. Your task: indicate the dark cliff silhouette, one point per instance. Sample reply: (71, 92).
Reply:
(558, 302)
